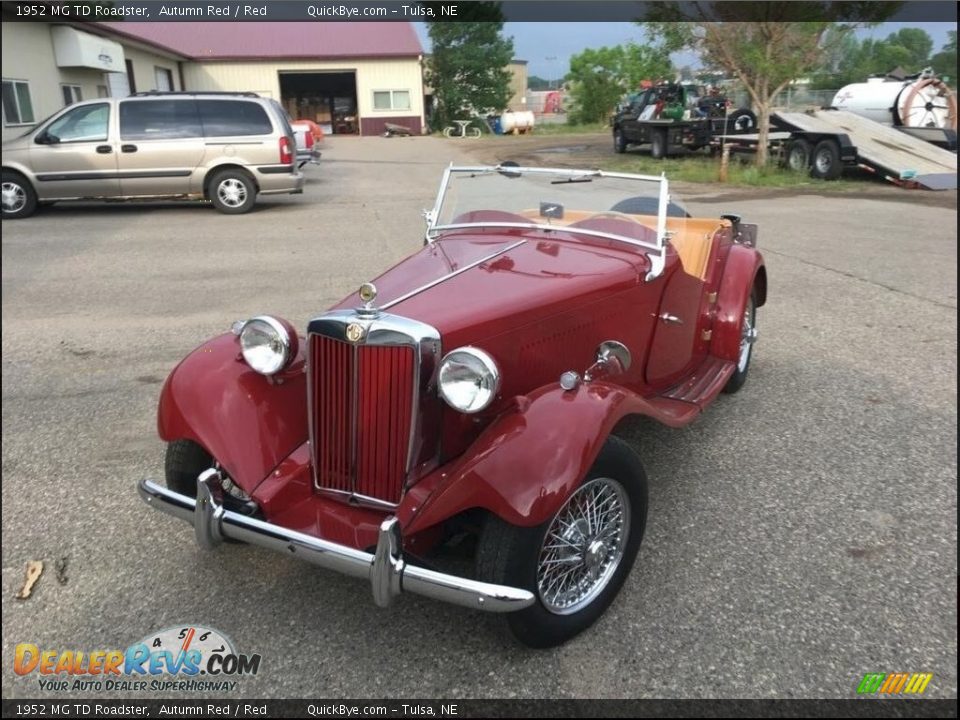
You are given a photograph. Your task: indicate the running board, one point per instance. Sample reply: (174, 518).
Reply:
(704, 384)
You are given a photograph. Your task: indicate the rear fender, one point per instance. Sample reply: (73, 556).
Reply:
(245, 421)
(743, 271)
(525, 466)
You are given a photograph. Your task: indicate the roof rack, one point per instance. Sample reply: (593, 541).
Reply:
(210, 92)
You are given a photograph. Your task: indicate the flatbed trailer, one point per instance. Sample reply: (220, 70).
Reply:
(823, 142)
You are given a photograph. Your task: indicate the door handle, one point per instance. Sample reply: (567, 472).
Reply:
(672, 319)
(104, 149)
(128, 148)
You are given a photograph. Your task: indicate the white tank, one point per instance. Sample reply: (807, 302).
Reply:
(522, 121)
(923, 101)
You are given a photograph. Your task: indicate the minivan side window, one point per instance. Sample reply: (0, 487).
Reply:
(84, 124)
(225, 118)
(159, 120)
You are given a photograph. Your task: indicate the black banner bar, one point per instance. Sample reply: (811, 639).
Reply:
(398, 10)
(195, 708)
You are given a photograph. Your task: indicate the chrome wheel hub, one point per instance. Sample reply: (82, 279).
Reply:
(748, 336)
(583, 546)
(232, 192)
(14, 197)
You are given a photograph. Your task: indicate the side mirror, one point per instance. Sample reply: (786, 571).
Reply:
(613, 358)
(46, 138)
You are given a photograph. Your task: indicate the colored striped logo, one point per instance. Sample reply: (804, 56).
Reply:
(894, 683)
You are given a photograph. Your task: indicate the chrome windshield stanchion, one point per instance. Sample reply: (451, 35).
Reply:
(387, 570)
(209, 513)
(658, 261)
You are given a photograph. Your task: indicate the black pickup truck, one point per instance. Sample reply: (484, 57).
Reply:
(672, 115)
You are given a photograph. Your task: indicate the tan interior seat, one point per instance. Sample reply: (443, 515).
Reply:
(692, 239)
(691, 236)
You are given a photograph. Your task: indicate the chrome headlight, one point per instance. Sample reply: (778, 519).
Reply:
(267, 344)
(469, 379)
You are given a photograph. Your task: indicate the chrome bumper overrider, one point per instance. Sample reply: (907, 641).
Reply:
(386, 570)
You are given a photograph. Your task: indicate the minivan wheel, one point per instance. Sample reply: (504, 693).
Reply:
(19, 198)
(233, 192)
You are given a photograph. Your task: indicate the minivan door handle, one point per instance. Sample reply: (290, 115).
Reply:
(128, 148)
(104, 149)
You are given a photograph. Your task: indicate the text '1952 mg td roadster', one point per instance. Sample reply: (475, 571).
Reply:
(470, 392)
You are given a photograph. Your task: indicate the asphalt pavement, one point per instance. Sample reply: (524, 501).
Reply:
(801, 533)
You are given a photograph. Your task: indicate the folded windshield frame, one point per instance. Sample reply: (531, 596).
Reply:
(655, 250)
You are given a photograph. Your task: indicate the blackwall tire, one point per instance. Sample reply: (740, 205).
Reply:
(619, 141)
(233, 192)
(658, 144)
(19, 197)
(184, 462)
(798, 156)
(741, 120)
(825, 162)
(594, 558)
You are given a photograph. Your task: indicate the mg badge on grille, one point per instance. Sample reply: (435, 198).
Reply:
(354, 332)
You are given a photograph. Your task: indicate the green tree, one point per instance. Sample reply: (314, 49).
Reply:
(763, 45)
(944, 62)
(468, 68)
(599, 77)
(917, 44)
(535, 82)
(852, 61)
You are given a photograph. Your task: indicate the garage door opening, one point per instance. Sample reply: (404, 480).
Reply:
(327, 98)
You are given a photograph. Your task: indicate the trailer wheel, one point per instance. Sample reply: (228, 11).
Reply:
(826, 164)
(798, 155)
(658, 144)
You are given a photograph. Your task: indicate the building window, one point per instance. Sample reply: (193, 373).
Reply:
(17, 107)
(130, 79)
(71, 94)
(164, 79)
(391, 99)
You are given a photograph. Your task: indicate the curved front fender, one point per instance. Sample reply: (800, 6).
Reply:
(743, 271)
(525, 465)
(243, 420)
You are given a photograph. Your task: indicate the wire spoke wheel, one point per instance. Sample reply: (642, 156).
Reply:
(583, 546)
(748, 335)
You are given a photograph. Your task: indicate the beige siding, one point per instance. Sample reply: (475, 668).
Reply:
(143, 68)
(263, 77)
(28, 55)
(518, 87)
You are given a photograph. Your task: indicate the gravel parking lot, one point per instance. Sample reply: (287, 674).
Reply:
(801, 533)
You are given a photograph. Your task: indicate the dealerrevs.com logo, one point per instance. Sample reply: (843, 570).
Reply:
(184, 658)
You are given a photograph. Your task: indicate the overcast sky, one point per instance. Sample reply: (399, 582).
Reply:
(547, 47)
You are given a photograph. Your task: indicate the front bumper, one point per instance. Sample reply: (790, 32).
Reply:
(386, 570)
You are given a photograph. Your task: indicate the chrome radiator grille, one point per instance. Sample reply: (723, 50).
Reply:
(365, 401)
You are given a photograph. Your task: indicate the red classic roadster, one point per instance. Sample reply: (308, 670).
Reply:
(471, 391)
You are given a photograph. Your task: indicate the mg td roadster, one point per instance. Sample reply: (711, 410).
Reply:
(472, 392)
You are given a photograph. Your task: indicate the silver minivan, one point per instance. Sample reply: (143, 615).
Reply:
(223, 147)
